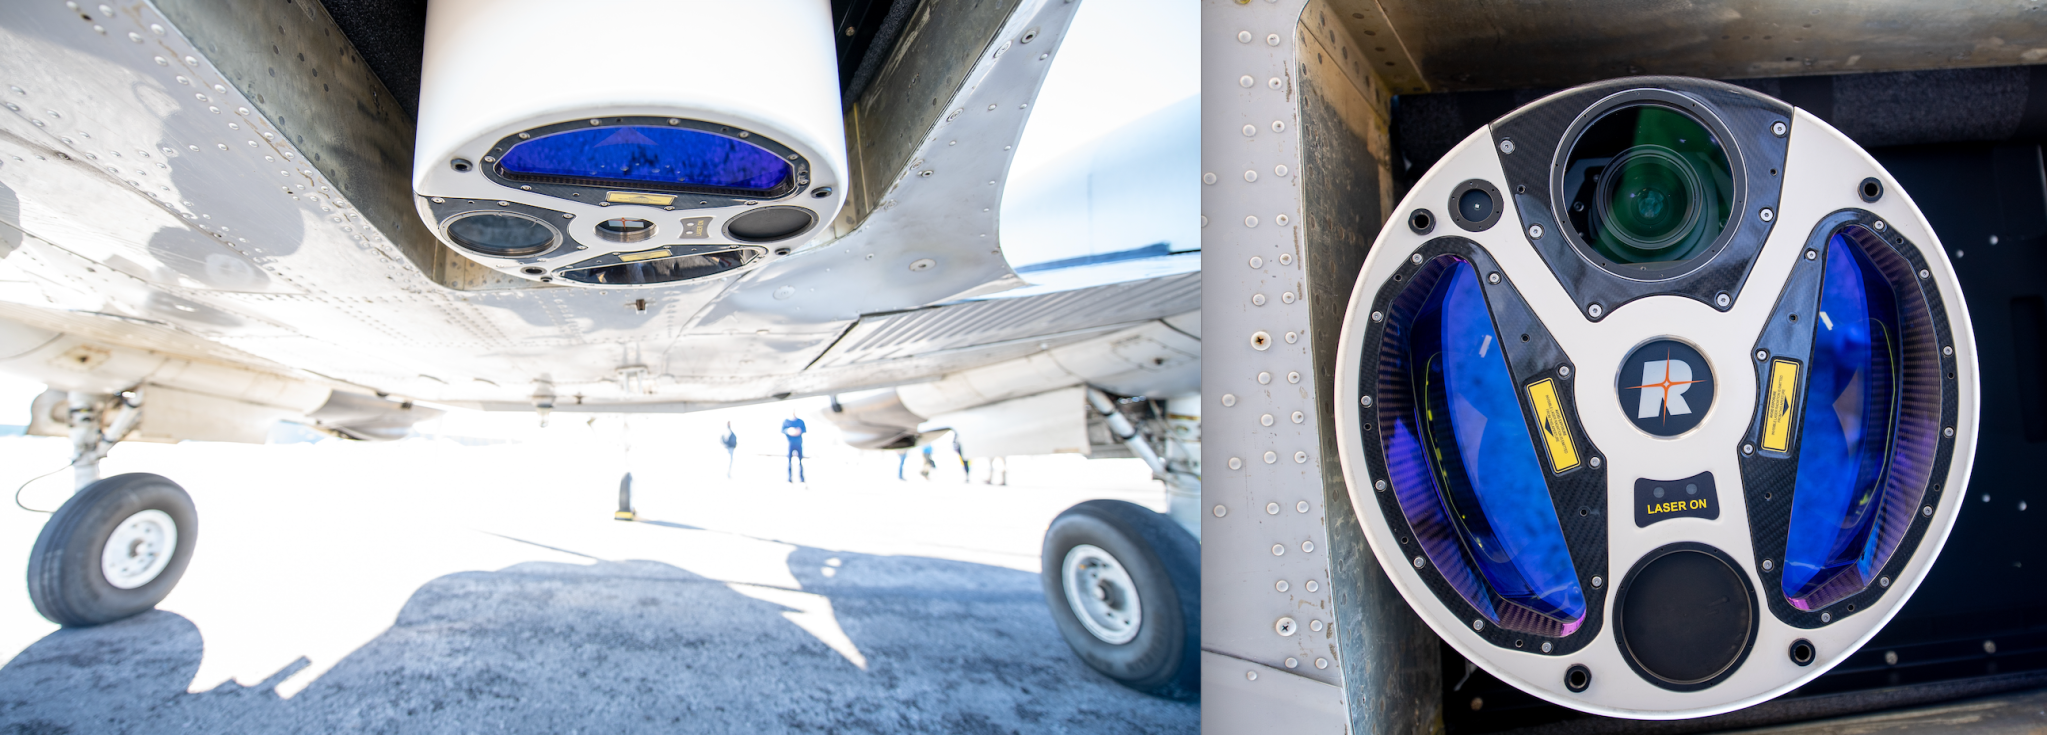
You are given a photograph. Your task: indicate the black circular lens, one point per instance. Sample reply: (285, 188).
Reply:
(1648, 185)
(1475, 205)
(770, 224)
(501, 234)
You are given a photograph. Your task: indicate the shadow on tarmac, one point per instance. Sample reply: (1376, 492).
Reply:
(631, 646)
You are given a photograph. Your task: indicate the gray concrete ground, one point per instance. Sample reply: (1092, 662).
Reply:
(476, 593)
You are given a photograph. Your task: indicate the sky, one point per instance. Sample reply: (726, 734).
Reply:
(1120, 60)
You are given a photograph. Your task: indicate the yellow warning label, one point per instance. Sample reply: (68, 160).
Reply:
(1779, 405)
(1556, 430)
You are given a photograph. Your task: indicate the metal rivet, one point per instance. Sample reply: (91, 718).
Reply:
(1321, 663)
(1535, 232)
(1250, 130)
(1300, 457)
(1366, 401)
(1769, 565)
(1236, 464)
(1950, 431)
(1378, 317)
(1879, 225)
(1272, 39)
(1811, 254)
(1229, 399)
(1314, 586)
(1272, 509)
(1494, 278)
(1723, 300)
(1208, 178)
(1379, 485)
(1257, 262)
(1251, 221)
(1762, 355)
(1546, 646)
(1883, 582)
(1221, 511)
(1826, 617)
(1280, 585)
(1302, 507)
(1563, 371)
(1748, 449)
(1507, 146)
(1598, 582)
(1779, 128)
(1279, 549)
(1257, 299)
(1477, 624)
(1298, 417)
(1251, 675)
(1923, 274)
(1307, 547)
(1766, 214)
(1418, 562)
(1415, 258)
(1264, 378)
(1926, 510)
(1293, 377)
(1595, 310)
(1291, 662)
(1948, 350)
(1595, 463)
(1246, 81)
(1271, 457)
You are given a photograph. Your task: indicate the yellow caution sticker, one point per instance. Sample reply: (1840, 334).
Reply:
(634, 197)
(1779, 405)
(1556, 429)
(645, 255)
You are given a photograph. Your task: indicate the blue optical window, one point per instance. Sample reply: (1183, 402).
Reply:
(663, 157)
(1465, 465)
(1851, 404)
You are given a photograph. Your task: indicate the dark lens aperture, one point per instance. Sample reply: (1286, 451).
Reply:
(502, 235)
(1648, 185)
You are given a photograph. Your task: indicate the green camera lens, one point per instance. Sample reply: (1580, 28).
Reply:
(1648, 186)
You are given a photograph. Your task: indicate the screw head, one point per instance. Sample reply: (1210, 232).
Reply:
(1762, 355)
(1879, 225)
(1418, 562)
(1563, 371)
(1595, 310)
(1826, 617)
(1723, 300)
(1769, 565)
(1415, 258)
(1535, 232)
(1379, 485)
(1596, 462)
(1766, 214)
(1494, 278)
(1507, 146)
(1748, 449)
(1811, 254)
(1378, 317)
(1779, 129)
(1598, 582)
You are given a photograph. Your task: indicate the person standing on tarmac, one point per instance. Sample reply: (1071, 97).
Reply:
(731, 442)
(793, 428)
(966, 469)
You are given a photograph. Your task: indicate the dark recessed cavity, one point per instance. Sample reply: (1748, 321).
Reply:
(625, 229)
(664, 270)
(501, 234)
(1421, 222)
(1870, 189)
(1802, 652)
(1577, 678)
(770, 224)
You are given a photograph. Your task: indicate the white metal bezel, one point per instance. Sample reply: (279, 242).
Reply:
(1822, 171)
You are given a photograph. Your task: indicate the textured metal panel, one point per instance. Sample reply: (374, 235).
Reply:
(1293, 156)
(988, 321)
(1262, 699)
(1472, 44)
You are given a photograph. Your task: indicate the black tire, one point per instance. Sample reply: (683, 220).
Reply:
(625, 493)
(65, 580)
(1164, 563)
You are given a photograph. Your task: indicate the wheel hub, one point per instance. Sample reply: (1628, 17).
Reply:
(1109, 608)
(138, 549)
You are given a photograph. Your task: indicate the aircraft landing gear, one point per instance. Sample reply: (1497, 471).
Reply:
(119, 545)
(116, 548)
(625, 500)
(1124, 585)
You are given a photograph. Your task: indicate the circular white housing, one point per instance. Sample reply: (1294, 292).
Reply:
(1676, 415)
(623, 143)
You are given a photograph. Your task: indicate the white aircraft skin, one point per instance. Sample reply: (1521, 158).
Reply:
(152, 209)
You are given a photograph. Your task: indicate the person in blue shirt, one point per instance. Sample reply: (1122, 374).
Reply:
(731, 442)
(793, 428)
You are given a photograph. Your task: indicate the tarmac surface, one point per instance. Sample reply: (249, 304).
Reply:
(428, 587)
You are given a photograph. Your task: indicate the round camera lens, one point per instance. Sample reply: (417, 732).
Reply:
(501, 234)
(1648, 185)
(1475, 205)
